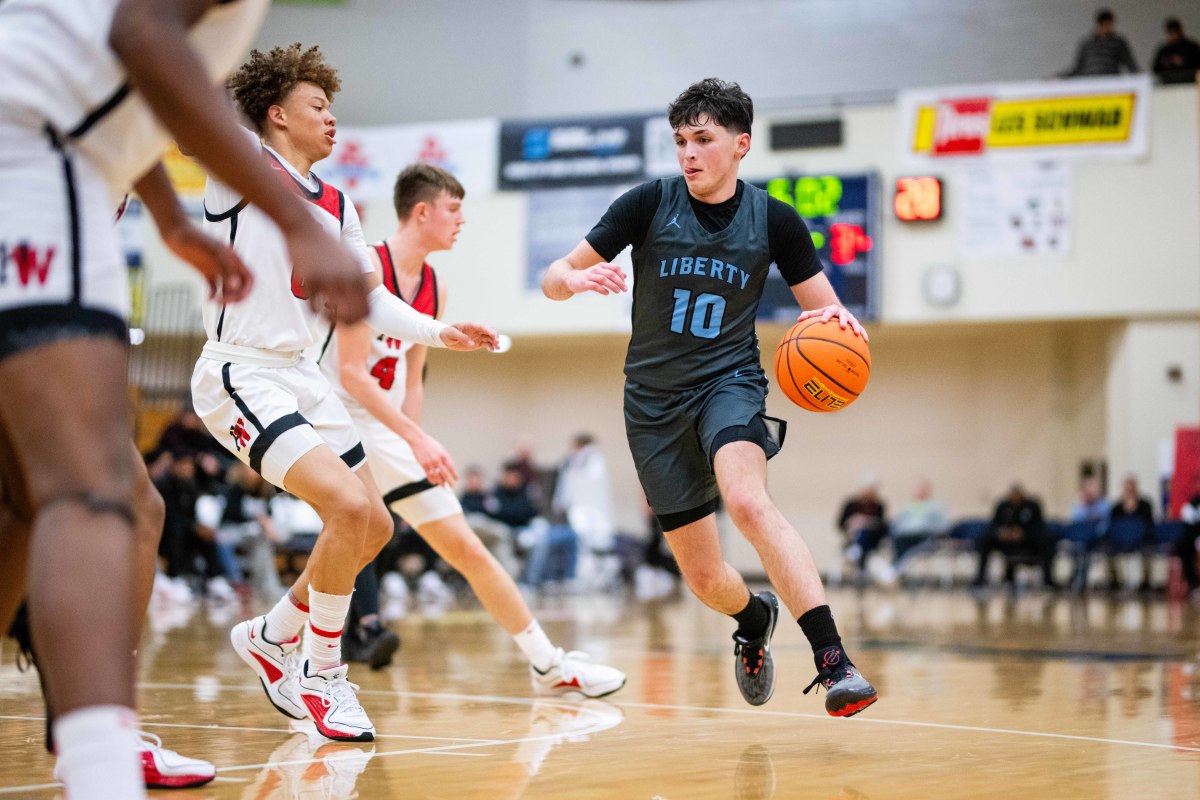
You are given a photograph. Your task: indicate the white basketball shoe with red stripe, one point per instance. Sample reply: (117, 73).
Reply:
(166, 769)
(333, 705)
(574, 672)
(276, 665)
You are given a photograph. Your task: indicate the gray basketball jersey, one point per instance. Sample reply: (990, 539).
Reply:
(695, 293)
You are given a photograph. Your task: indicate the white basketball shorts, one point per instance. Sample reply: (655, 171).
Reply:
(62, 273)
(398, 474)
(270, 416)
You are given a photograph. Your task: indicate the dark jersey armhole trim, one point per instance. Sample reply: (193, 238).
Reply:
(100, 112)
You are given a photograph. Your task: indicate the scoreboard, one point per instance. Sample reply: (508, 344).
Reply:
(842, 213)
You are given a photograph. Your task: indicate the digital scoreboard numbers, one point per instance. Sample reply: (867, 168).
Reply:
(842, 214)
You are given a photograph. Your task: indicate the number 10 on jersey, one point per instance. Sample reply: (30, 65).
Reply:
(706, 314)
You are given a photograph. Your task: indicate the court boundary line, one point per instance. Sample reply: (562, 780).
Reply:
(857, 720)
(469, 744)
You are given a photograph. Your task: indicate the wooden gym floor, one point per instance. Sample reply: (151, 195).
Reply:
(1038, 696)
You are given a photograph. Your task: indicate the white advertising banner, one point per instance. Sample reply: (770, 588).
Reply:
(366, 160)
(1081, 117)
(1014, 210)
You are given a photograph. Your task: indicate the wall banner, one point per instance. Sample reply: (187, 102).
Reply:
(594, 151)
(1082, 117)
(366, 160)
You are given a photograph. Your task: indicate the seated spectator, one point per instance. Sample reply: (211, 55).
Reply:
(539, 482)
(583, 495)
(1103, 51)
(1188, 546)
(863, 522)
(187, 434)
(481, 507)
(184, 546)
(509, 502)
(921, 520)
(549, 543)
(1178, 58)
(474, 492)
(1131, 505)
(1091, 506)
(1017, 530)
(239, 516)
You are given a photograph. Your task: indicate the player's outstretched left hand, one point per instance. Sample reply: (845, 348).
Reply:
(844, 318)
(227, 277)
(470, 336)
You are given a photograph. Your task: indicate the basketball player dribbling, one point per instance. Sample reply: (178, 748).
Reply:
(267, 402)
(89, 93)
(695, 391)
(381, 382)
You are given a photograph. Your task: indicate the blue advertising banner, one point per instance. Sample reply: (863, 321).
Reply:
(595, 151)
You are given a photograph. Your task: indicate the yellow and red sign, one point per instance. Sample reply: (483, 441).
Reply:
(1105, 116)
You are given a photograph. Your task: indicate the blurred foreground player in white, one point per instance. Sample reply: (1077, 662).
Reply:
(267, 402)
(381, 381)
(90, 91)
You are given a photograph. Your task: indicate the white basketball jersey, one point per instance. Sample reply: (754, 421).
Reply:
(276, 315)
(56, 68)
(387, 363)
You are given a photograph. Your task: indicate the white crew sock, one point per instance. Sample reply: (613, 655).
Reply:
(286, 620)
(326, 618)
(536, 646)
(98, 753)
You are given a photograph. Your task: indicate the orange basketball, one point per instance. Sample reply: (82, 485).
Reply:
(821, 366)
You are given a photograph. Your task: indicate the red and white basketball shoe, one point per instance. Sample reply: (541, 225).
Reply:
(574, 672)
(166, 769)
(276, 665)
(333, 705)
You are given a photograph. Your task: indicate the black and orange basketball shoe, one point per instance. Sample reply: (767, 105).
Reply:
(847, 692)
(753, 664)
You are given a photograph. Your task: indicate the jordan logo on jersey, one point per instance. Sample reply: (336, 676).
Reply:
(30, 263)
(675, 221)
(241, 437)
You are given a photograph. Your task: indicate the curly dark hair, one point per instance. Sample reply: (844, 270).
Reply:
(266, 78)
(722, 102)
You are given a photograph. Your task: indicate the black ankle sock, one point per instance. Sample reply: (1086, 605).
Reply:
(753, 619)
(820, 629)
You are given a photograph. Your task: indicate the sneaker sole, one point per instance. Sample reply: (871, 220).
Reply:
(242, 648)
(541, 691)
(178, 781)
(340, 737)
(853, 708)
(614, 690)
(767, 651)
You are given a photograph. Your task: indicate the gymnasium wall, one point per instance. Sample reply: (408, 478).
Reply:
(972, 407)
(456, 59)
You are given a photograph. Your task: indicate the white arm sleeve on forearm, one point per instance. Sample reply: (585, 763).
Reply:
(393, 317)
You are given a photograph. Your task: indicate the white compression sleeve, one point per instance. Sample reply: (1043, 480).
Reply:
(393, 317)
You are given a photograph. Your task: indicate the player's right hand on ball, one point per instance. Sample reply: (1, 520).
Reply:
(602, 278)
(329, 272)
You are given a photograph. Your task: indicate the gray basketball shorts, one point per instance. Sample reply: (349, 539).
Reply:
(675, 434)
